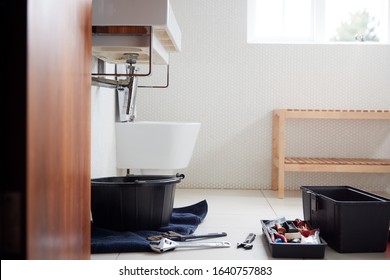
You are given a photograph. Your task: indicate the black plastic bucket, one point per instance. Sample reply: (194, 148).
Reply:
(350, 220)
(133, 202)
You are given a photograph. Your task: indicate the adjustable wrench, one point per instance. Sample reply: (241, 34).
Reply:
(166, 244)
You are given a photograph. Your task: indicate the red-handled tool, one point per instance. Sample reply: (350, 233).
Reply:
(281, 236)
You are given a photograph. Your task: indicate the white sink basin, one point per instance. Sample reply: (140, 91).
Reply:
(155, 147)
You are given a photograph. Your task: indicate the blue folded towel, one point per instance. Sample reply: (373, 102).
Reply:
(184, 220)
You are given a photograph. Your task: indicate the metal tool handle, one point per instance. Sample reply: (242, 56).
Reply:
(202, 236)
(222, 244)
(250, 238)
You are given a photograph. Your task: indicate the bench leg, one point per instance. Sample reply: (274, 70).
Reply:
(275, 175)
(280, 182)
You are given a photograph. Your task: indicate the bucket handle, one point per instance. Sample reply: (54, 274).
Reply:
(313, 201)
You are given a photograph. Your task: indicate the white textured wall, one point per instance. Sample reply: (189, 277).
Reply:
(232, 87)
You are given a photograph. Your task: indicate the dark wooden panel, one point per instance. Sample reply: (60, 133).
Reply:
(58, 129)
(13, 105)
(132, 30)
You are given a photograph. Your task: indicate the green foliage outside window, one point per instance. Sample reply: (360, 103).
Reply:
(360, 26)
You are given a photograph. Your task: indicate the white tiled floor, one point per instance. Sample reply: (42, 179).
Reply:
(238, 213)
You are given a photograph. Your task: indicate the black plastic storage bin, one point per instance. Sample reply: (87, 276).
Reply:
(350, 220)
(133, 202)
(293, 250)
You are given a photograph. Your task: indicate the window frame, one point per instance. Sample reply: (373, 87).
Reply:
(318, 28)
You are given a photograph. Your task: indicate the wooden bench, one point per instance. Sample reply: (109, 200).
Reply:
(282, 164)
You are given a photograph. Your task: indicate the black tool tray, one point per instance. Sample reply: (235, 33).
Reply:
(293, 250)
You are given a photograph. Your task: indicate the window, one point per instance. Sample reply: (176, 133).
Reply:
(318, 21)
